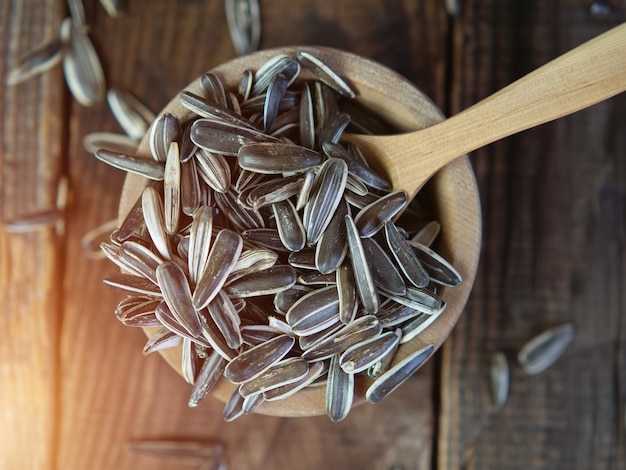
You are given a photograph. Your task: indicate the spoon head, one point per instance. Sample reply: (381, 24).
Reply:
(451, 196)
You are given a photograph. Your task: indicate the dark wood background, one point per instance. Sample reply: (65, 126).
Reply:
(74, 387)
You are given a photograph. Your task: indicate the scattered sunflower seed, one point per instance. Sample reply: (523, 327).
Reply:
(545, 349)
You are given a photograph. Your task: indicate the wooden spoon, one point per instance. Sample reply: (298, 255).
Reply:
(592, 72)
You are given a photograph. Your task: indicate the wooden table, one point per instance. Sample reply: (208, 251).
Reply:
(74, 387)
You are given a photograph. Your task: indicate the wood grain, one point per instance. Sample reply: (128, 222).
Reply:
(553, 208)
(31, 161)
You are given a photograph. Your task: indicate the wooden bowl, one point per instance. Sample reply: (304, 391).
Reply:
(452, 194)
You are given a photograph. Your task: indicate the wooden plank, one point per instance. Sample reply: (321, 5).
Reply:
(31, 161)
(109, 393)
(553, 202)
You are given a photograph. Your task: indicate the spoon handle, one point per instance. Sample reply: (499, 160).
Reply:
(590, 73)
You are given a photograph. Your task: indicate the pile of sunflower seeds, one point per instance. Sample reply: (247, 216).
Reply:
(270, 251)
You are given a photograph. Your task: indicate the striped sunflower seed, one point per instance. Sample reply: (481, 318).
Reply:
(117, 143)
(339, 391)
(220, 262)
(362, 355)
(371, 218)
(499, 376)
(177, 295)
(325, 74)
(81, 65)
(539, 353)
(277, 158)
(280, 374)
(130, 113)
(326, 194)
(254, 361)
(266, 282)
(163, 338)
(244, 24)
(405, 256)
(42, 58)
(148, 168)
(212, 369)
(165, 130)
(398, 374)
(314, 311)
(368, 294)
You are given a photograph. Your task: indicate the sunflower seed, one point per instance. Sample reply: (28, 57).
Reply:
(545, 349)
(212, 369)
(221, 260)
(285, 299)
(132, 284)
(315, 278)
(361, 356)
(325, 74)
(140, 259)
(405, 256)
(326, 195)
(117, 143)
(379, 368)
(245, 84)
(339, 391)
(314, 311)
(282, 373)
(499, 376)
(244, 24)
(148, 168)
(203, 108)
(314, 371)
(266, 282)
(371, 218)
(364, 280)
(307, 118)
(133, 221)
(398, 374)
(305, 189)
(81, 65)
(335, 125)
(234, 407)
(289, 225)
(275, 92)
(252, 260)
(274, 190)
(421, 299)
(131, 114)
(384, 271)
(241, 217)
(418, 324)
(214, 337)
(165, 130)
(153, 213)
(214, 170)
(332, 247)
(392, 313)
(188, 361)
(254, 335)
(226, 318)
(138, 312)
(252, 402)
(77, 12)
(32, 222)
(213, 89)
(177, 295)
(253, 362)
(356, 167)
(275, 158)
(359, 330)
(439, 270)
(346, 289)
(112, 7)
(190, 190)
(303, 259)
(281, 63)
(171, 190)
(265, 237)
(200, 242)
(40, 59)
(163, 338)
